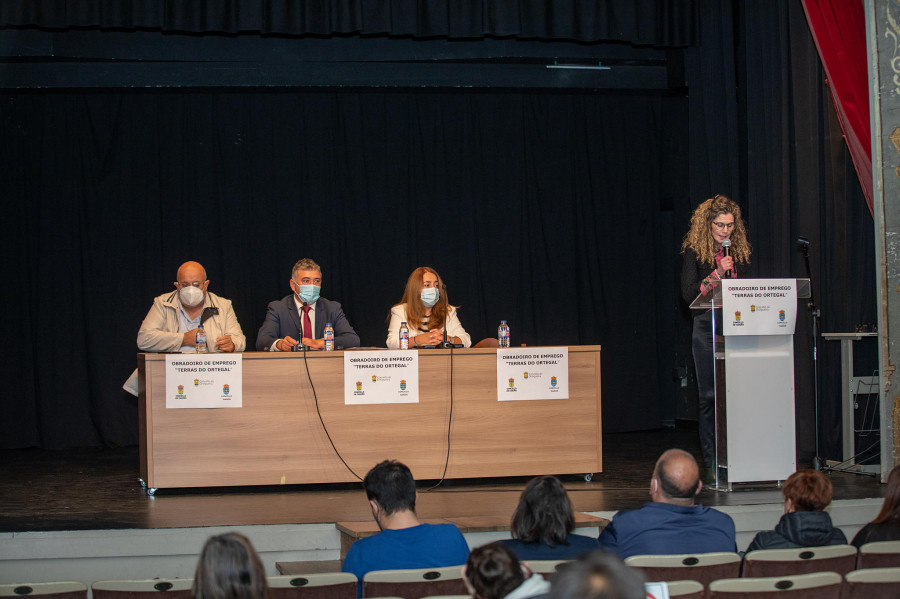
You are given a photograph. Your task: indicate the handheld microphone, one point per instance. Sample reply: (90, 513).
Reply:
(726, 247)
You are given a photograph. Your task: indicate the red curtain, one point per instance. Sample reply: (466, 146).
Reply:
(839, 29)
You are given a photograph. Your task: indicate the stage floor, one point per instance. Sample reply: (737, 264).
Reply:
(98, 489)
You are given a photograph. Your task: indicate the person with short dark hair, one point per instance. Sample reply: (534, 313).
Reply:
(304, 313)
(543, 522)
(229, 568)
(886, 525)
(671, 523)
(403, 542)
(494, 572)
(805, 523)
(598, 575)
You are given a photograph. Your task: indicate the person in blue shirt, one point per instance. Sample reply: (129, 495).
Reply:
(671, 523)
(403, 542)
(543, 522)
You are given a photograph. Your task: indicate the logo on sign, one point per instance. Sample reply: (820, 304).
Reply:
(180, 389)
(403, 385)
(781, 315)
(737, 316)
(512, 382)
(226, 389)
(373, 378)
(196, 382)
(525, 375)
(753, 307)
(359, 385)
(552, 381)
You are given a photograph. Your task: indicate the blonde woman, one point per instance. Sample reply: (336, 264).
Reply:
(425, 310)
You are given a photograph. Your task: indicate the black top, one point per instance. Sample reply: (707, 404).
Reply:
(692, 272)
(889, 530)
(799, 529)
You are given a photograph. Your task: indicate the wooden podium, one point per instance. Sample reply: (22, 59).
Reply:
(279, 435)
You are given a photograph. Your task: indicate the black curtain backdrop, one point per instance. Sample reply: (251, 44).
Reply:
(560, 212)
(540, 209)
(642, 22)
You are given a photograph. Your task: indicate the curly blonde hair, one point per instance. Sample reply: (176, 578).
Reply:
(700, 239)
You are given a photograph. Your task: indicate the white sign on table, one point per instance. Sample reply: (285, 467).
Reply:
(204, 380)
(759, 306)
(532, 373)
(380, 377)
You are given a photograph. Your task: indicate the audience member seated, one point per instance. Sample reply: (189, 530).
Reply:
(886, 525)
(229, 568)
(494, 572)
(598, 575)
(427, 312)
(543, 522)
(804, 524)
(403, 542)
(671, 523)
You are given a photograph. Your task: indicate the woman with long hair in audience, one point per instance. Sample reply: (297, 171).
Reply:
(425, 310)
(886, 525)
(229, 568)
(705, 263)
(543, 522)
(494, 572)
(805, 523)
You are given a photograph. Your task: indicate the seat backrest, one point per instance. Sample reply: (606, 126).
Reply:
(873, 583)
(701, 567)
(51, 590)
(171, 588)
(819, 585)
(547, 567)
(881, 554)
(686, 589)
(328, 585)
(787, 562)
(414, 583)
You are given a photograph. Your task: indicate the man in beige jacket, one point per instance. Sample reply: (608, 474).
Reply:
(172, 322)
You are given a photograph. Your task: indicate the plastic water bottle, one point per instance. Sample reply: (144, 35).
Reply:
(404, 336)
(503, 334)
(329, 337)
(201, 340)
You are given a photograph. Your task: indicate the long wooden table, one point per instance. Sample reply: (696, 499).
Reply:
(279, 435)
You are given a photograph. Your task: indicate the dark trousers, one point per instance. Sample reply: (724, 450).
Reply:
(704, 365)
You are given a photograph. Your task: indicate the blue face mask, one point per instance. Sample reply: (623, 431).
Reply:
(309, 293)
(430, 296)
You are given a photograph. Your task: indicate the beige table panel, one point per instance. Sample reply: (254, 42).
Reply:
(278, 437)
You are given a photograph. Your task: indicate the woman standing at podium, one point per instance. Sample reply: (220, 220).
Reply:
(705, 263)
(424, 308)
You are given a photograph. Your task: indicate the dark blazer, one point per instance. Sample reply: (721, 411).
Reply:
(282, 321)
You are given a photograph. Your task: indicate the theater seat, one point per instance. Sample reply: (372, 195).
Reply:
(47, 590)
(686, 589)
(881, 554)
(171, 588)
(874, 583)
(701, 567)
(820, 585)
(330, 585)
(547, 567)
(786, 562)
(414, 583)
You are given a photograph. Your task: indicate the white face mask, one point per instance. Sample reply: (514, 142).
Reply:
(190, 296)
(430, 296)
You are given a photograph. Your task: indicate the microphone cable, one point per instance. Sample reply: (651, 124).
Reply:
(449, 428)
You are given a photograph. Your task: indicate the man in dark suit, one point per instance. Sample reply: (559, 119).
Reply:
(304, 314)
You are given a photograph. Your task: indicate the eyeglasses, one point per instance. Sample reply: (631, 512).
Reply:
(723, 226)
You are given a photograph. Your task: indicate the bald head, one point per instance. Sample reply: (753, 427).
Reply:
(676, 478)
(191, 271)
